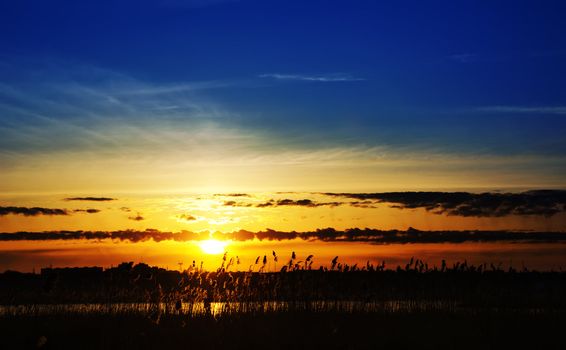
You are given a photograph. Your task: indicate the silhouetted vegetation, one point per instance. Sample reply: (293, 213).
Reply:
(339, 306)
(449, 286)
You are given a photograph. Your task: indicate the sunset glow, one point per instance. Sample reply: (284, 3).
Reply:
(283, 174)
(213, 246)
(300, 139)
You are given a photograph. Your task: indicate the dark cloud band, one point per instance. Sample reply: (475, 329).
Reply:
(541, 202)
(232, 195)
(34, 211)
(285, 202)
(88, 211)
(325, 235)
(91, 199)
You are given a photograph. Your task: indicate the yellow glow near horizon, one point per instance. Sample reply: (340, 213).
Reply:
(213, 246)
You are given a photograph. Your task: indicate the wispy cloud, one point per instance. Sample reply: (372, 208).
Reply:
(92, 199)
(464, 57)
(194, 3)
(76, 123)
(493, 57)
(91, 110)
(325, 78)
(164, 89)
(524, 109)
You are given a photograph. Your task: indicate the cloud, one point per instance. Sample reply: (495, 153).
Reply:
(539, 202)
(34, 211)
(66, 108)
(138, 217)
(464, 57)
(76, 122)
(326, 235)
(299, 203)
(88, 211)
(194, 3)
(325, 78)
(363, 204)
(187, 217)
(236, 204)
(559, 110)
(283, 202)
(93, 199)
(232, 195)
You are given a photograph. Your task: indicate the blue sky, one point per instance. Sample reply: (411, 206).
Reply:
(464, 79)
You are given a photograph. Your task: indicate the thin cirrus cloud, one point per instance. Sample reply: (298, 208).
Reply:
(560, 110)
(324, 78)
(194, 3)
(464, 57)
(74, 113)
(92, 115)
(76, 122)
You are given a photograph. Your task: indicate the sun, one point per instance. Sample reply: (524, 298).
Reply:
(213, 246)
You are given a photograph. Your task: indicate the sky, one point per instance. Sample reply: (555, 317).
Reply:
(155, 103)
(353, 95)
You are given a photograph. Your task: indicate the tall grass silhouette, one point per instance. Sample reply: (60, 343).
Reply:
(187, 305)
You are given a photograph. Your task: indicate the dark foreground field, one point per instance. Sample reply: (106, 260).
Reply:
(289, 330)
(409, 307)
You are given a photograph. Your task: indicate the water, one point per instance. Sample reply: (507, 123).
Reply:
(223, 308)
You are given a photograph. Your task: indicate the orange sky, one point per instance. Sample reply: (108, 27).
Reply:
(29, 255)
(207, 212)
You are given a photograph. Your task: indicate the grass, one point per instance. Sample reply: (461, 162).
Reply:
(340, 307)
